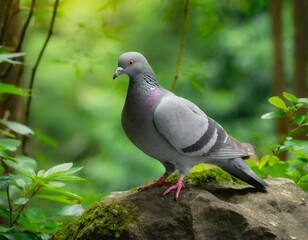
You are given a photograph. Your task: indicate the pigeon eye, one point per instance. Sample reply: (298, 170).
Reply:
(131, 62)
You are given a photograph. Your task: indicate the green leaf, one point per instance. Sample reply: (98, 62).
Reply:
(34, 215)
(4, 212)
(40, 173)
(63, 192)
(54, 184)
(4, 229)
(69, 178)
(273, 160)
(278, 102)
(303, 100)
(272, 115)
(20, 201)
(70, 171)
(296, 144)
(8, 134)
(57, 198)
(67, 175)
(58, 191)
(58, 170)
(26, 162)
(4, 153)
(26, 172)
(263, 161)
(303, 182)
(22, 182)
(7, 57)
(9, 144)
(9, 61)
(15, 234)
(18, 127)
(299, 119)
(5, 180)
(72, 210)
(290, 97)
(40, 180)
(278, 169)
(21, 168)
(12, 55)
(12, 89)
(46, 139)
(302, 159)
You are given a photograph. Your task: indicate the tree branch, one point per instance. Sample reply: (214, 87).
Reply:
(38, 187)
(7, 14)
(22, 35)
(186, 10)
(24, 29)
(10, 205)
(34, 69)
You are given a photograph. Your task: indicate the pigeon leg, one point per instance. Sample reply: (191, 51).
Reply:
(178, 186)
(156, 183)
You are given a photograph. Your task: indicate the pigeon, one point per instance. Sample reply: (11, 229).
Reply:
(176, 132)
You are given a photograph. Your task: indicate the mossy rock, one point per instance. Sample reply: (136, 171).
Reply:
(204, 174)
(208, 208)
(109, 219)
(102, 221)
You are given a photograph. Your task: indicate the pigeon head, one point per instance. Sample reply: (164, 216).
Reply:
(133, 64)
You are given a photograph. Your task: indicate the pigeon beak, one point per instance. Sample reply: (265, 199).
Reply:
(118, 72)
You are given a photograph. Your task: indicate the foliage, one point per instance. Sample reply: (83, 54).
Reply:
(218, 72)
(21, 185)
(7, 56)
(295, 111)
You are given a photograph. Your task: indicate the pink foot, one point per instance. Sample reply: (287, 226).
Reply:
(178, 186)
(156, 183)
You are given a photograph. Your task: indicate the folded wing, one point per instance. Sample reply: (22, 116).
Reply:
(192, 133)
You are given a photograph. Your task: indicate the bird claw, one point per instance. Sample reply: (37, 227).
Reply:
(157, 183)
(178, 186)
(161, 181)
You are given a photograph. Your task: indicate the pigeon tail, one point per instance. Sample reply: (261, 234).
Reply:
(239, 169)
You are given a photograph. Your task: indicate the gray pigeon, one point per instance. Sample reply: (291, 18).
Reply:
(175, 131)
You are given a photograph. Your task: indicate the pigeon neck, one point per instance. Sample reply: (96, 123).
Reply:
(146, 81)
(142, 91)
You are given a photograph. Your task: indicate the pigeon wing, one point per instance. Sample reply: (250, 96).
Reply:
(192, 133)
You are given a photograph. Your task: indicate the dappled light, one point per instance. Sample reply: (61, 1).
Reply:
(74, 118)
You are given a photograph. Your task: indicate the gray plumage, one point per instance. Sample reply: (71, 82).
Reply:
(175, 131)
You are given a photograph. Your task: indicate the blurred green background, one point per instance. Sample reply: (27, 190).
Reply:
(227, 70)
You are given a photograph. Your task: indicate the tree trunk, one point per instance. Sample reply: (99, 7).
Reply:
(279, 70)
(10, 105)
(300, 51)
(300, 48)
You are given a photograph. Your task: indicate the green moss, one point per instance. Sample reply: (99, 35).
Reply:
(211, 175)
(102, 221)
(204, 174)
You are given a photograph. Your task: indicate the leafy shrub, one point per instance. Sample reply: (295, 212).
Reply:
(296, 167)
(21, 183)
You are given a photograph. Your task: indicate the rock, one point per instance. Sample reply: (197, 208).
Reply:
(205, 210)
